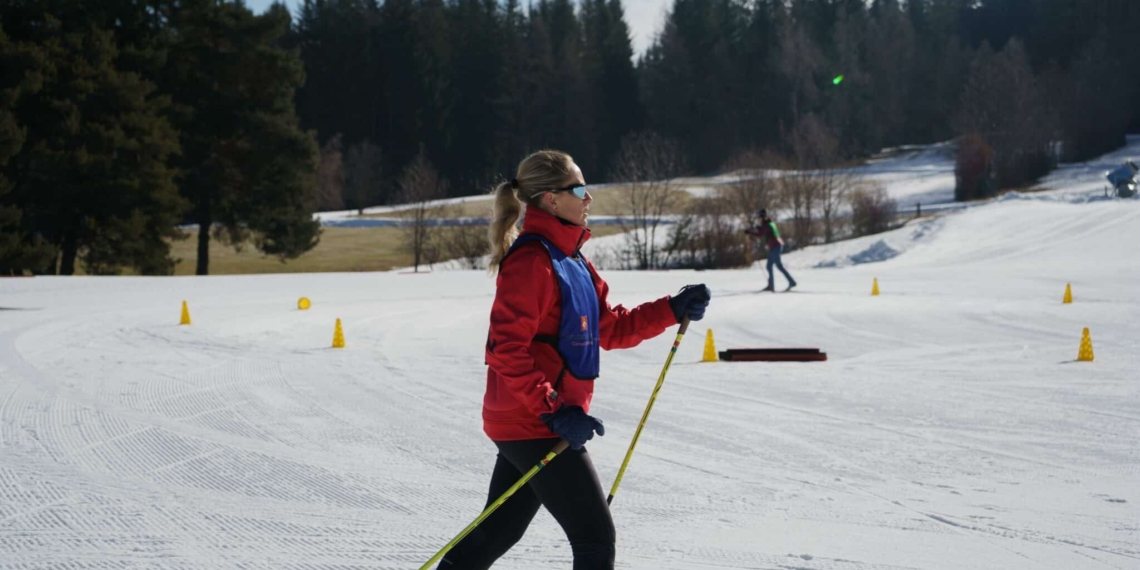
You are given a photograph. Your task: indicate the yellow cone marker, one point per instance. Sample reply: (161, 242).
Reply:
(875, 288)
(338, 336)
(185, 314)
(1068, 293)
(1086, 352)
(710, 348)
(303, 304)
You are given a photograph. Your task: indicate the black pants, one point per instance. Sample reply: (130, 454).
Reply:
(568, 487)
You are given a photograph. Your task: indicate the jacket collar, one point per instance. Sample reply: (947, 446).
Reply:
(567, 237)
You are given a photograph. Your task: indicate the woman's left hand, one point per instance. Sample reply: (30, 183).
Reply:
(690, 302)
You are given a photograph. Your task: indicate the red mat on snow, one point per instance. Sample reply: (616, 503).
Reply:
(773, 354)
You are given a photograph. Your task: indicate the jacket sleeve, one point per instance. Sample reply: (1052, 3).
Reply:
(524, 294)
(619, 327)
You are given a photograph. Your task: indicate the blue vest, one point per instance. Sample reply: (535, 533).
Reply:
(577, 339)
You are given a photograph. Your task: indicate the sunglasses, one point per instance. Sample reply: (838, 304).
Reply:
(579, 190)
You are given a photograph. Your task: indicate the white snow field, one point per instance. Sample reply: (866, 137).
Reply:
(951, 427)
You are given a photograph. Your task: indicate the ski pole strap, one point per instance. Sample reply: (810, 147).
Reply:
(648, 408)
(558, 448)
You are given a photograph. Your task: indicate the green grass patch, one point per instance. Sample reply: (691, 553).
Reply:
(340, 249)
(608, 201)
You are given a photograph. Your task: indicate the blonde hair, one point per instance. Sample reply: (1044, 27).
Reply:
(536, 174)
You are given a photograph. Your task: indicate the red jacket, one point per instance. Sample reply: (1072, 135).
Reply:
(523, 374)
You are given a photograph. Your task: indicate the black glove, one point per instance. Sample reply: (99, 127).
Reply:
(573, 425)
(691, 301)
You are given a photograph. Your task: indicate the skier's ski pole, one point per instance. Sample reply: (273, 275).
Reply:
(648, 407)
(558, 448)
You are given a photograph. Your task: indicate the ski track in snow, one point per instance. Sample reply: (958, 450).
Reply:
(949, 429)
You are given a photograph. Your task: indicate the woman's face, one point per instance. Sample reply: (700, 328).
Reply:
(564, 204)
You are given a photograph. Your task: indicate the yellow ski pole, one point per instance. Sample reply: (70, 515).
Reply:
(648, 407)
(558, 448)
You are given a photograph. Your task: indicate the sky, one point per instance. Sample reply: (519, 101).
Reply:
(643, 16)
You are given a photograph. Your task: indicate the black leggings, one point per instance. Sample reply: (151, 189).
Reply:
(568, 487)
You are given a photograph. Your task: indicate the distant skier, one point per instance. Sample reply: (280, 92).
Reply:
(550, 317)
(1122, 179)
(766, 230)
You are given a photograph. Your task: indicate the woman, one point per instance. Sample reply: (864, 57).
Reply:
(549, 318)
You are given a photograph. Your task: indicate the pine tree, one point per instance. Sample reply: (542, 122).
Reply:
(364, 169)
(22, 77)
(541, 116)
(848, 107)
(572, 110)
(400, 128)
(434, 80)
(766, 107)
(93, 172)
(1093, 100)
(248, 167)
(340, 94)
(890, 62)
(513, 97)
(477, 62)
(617, 101)
(1004, 104)
(669, 84)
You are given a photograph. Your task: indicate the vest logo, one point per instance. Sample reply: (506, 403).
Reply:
(585, 324)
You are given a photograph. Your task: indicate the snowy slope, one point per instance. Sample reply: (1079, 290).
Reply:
(916, 174)
(912, 174)
(950, 428)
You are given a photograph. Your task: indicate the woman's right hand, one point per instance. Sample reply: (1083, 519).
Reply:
(573, 425)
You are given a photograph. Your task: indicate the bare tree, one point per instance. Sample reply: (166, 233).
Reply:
(835, 185)
(757, 184)
(707, 236)
(1003, 102)
(800, 191)
(421, 187)
(815, 183)
(364, 175)
(330, 176)
(872, 211)
(648, 162)
(466, 242)
(800, 61)
(757, 187)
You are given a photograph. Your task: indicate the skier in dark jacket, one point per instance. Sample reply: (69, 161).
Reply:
(550, 317)
(767, 231)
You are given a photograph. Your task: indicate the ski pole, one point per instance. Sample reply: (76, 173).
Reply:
(648, 407)
(558, 448)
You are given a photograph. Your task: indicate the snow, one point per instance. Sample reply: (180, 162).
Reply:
(949, 429)
(911, 174)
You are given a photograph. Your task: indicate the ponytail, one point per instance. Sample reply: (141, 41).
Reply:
(503, 220)
(537, 173)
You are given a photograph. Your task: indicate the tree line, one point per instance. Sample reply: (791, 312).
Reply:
(475, 84)
(126, 119)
